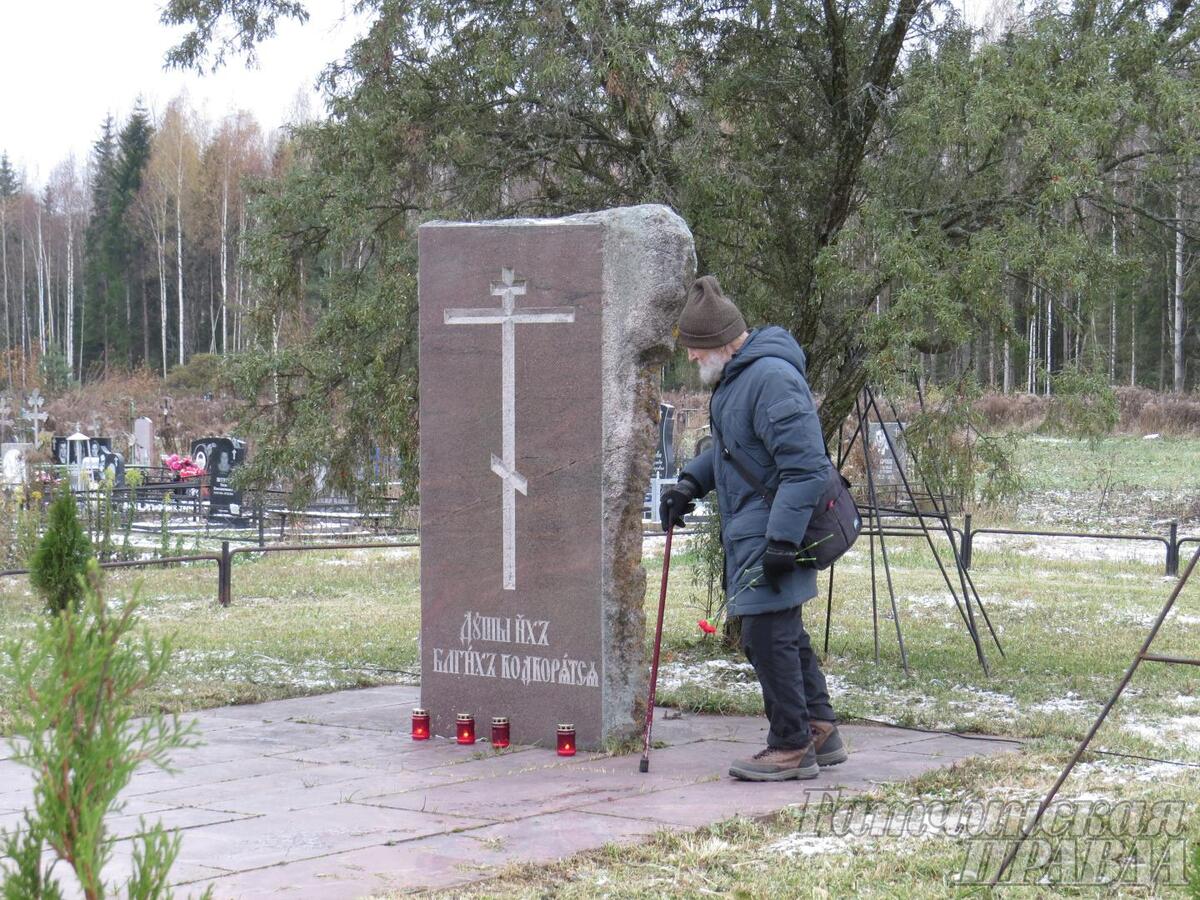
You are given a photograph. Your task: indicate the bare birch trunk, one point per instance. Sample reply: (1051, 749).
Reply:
(1178, 335)
(1035, 322)
(225, 260)
(8, 346)
(70, 310)
(179, 243)
(40, 276)
(1112, 319)
(160, 241)
(1049, 338)
(1133, 342)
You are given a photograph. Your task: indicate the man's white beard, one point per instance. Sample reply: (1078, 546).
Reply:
(711, 369)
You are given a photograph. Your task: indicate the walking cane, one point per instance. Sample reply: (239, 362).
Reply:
(662, 606)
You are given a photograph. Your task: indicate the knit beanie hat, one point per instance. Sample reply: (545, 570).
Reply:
(709, 319)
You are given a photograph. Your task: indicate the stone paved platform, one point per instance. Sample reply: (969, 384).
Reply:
(328, 797)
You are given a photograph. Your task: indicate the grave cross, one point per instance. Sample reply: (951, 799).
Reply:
(33, 413)
(505, 465)
(6, 420)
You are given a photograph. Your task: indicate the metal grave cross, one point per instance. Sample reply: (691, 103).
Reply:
(35, 416)
(505, 466)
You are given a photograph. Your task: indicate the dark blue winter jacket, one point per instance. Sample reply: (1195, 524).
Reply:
(763, 410)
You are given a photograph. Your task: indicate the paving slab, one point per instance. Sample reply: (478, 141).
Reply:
(328, 797)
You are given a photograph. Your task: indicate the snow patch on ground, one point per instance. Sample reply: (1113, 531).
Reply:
(1183, 730)
(808, 845)
(737, 677)
(1072, 703)
(1072, 549)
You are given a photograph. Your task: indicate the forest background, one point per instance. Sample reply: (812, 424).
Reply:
(1007, 208)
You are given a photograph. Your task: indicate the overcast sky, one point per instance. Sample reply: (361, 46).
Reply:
(65, 64)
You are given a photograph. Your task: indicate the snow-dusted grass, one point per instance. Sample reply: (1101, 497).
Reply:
(1070, 621)
(299, 624)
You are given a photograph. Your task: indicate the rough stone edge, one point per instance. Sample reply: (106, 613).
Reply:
(649, 261)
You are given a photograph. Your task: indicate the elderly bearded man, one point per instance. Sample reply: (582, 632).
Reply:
(763, 416)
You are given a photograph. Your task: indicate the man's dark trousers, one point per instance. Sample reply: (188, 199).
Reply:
(793, 687)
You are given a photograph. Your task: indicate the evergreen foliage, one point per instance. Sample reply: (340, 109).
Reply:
(10, 182)
(74, 728)
(887, 207)
(61, 558)
(119, 162)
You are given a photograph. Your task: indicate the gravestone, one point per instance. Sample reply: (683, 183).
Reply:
(663, 465)
(13, 467)
(888, 470)
(664, 453)
(539, 341)
(143, 441)
(218, 457)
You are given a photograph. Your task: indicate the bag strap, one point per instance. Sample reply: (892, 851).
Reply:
(765, 492)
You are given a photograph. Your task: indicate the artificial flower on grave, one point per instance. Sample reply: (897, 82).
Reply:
(183, 466)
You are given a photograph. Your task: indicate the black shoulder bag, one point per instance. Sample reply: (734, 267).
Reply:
(835, 523)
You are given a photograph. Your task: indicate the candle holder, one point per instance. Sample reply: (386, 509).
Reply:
(500, 732)
(566, 740)
(466, 728)
(420, 724)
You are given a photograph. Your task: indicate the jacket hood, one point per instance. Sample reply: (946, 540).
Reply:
(769, 341)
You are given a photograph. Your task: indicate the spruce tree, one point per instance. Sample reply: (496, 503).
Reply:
(10, 181)
(61, 557)
(100, 242)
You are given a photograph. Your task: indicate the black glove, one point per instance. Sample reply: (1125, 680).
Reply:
(674, 504)
(778, 561)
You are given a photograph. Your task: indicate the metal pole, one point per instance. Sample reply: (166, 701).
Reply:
(829, 607)
(944, 517)
(969, 617)
(829, 596)
(1173, 550)
(224, 579)
(966, 544)
(644, 766)
(1079, 751)
(887, 569)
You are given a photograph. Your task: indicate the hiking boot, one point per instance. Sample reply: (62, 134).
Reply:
(777, 764)
(827, 743)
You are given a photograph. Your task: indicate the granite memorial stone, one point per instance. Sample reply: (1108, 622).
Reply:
(143, 441)
(539, 347)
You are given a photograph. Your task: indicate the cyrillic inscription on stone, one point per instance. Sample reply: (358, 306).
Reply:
(511, 438)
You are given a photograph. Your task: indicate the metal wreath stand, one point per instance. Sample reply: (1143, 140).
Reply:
(874, 514)
(1143, 655)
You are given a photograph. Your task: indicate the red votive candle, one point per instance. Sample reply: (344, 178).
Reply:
(420, 725)
(500, 731)
(566, 740)
(466, 728)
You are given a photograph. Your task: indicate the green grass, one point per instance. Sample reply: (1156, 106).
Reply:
(298, 624)
(1166, 463)
(1069, 631)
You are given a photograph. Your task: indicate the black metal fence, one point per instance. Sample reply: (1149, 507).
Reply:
(224, 560)
(1171, 542)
